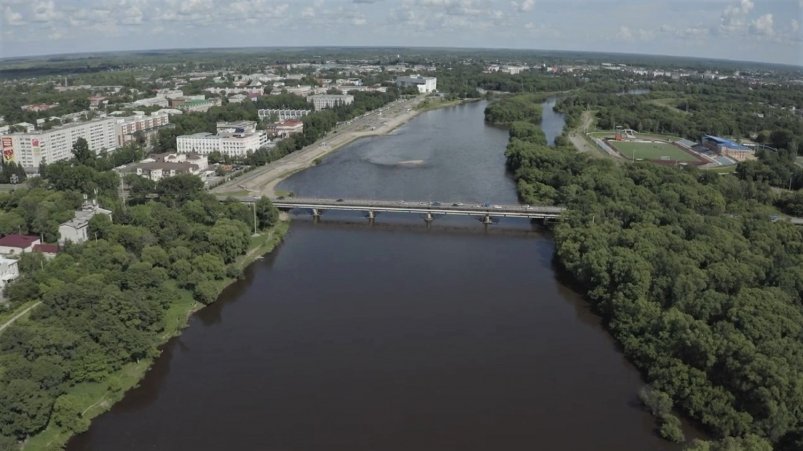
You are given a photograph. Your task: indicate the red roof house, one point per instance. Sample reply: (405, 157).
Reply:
(17, 244)
(46, 248)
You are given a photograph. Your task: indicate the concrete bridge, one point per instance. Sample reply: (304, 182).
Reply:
(429, 210)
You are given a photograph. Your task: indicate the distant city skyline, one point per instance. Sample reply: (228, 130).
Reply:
(751, 30)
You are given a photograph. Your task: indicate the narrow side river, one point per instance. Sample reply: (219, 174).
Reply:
(393, 336)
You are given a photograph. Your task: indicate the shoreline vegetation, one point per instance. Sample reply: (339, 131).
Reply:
(99, 397)
(105, 308)
(700, 289)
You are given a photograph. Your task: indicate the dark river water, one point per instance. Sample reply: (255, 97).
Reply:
(393, 336)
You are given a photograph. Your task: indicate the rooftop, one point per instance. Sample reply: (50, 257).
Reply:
(726, 143)
(46, 248)
(16, 240)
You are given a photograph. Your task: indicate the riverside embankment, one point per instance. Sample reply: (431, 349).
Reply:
(262, 181)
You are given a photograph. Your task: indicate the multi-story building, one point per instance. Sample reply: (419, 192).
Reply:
(128, 127)
(321, 101)
(195, 105)
(30, 148)
(728, 148)
(283, 114)
(425, 85)
(288, 127)
(232, 138)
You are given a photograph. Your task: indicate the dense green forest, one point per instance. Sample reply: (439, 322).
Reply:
(700, 288)
(105, 303)
(694, 108)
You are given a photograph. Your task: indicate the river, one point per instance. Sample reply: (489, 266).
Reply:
(393, 336)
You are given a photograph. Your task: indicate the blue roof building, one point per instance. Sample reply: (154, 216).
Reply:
(728, 148)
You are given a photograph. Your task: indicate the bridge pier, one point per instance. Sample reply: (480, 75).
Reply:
(316, 213)
(371, 215)
(428, 218)
(487, 219)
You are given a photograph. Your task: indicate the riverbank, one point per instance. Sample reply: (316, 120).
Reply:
(92, 399)
(263, 181)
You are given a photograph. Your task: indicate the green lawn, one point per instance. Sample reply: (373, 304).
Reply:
(651, 151)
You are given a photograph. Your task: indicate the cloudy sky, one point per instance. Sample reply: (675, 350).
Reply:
(755, 30)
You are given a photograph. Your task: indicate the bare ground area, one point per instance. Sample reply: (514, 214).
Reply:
(577, 136)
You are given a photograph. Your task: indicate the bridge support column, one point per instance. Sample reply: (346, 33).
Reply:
(487, 219)
(316, 213)
(428, 218)
(371, 215)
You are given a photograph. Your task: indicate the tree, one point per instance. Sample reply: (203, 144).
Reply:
(215, 157)
(228, 238)
(267, 214)
(81, 152)
(670, 429)
(180, 188)
(67, 414)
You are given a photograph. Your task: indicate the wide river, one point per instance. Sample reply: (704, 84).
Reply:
(393, 336)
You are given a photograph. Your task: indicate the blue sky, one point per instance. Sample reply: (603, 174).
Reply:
(755, 30)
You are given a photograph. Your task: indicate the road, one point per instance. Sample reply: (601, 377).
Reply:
(262, 181)
(18, 316)
(577, 137)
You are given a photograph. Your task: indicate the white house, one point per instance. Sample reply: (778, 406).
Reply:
(8, 271)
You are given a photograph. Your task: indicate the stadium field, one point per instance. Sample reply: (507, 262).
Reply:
(651, 151)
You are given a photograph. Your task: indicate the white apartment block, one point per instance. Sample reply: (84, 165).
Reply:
(29, 149)
(233, 139)
(283, 114)
(425, 85)
(322, 101)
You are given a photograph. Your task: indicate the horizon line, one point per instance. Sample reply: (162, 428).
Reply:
(518, 49)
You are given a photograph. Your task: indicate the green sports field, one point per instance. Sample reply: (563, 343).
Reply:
(651, 151)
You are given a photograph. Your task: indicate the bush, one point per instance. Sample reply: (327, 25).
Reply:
(206, 291)
(670, 429)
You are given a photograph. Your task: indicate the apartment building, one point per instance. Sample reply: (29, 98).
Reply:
(321, 101)
(232, 138)
(30, 148)
(128, 127)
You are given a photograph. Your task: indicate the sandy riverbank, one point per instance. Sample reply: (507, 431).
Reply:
(263, 181)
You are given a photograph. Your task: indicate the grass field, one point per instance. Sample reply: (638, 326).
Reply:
(651, 151)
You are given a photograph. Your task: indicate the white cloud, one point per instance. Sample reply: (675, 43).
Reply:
(625, 33)
(734, 18)
(795, 24)
(308, 12)
(12, 17)
(44, 11)
(524, 6)
(131, 16)
(763, 25)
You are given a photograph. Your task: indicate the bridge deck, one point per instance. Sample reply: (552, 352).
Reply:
(434, 208)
